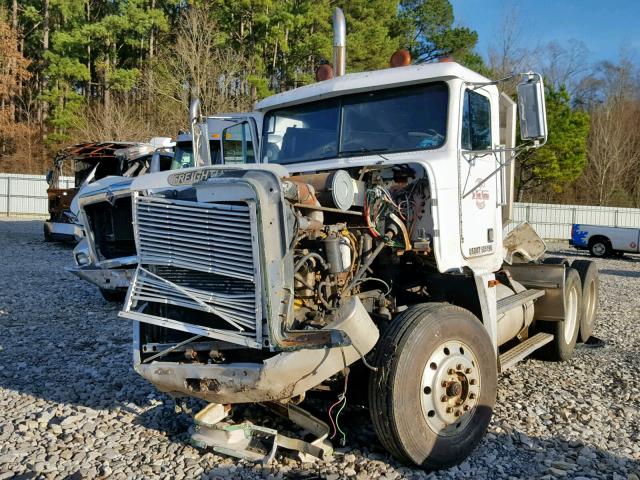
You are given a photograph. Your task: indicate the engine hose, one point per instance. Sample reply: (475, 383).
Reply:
(308, 256)
(367, 263)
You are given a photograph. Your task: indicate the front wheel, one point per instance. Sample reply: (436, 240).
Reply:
(432, 396)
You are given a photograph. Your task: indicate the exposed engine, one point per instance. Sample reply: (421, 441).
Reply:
(350, 224)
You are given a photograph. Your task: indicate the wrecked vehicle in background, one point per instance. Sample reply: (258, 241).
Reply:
(106, 254)
(87, 162)
(366, 253)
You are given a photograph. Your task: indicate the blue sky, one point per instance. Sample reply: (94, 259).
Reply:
(604, 26)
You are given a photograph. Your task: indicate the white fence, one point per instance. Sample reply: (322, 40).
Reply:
(27, 195)
(553, 222)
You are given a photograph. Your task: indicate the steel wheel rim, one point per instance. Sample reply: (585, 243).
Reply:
(571, 317)
(599, 249)
(450, 387)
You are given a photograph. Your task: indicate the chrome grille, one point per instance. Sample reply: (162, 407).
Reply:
(213, 238)
(200, 257)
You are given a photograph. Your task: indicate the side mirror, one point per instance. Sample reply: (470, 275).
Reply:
(532, 112)
(49, 177)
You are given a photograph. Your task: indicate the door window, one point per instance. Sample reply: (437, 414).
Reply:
(476, 122)
(237, 144)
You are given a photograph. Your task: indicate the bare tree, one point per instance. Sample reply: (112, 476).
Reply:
(198, 64)
(116, 120)
(507, 55)
(565, 66)
(614, 141)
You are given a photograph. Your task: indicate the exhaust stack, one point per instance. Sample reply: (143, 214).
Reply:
(339, 42)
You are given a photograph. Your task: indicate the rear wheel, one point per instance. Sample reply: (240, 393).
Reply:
(588, 272)
(565, 332)
(600, 247)
(432, 397)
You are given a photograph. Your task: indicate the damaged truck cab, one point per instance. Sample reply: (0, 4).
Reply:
(368, 239)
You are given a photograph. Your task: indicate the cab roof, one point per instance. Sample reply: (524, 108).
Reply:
(372, 80)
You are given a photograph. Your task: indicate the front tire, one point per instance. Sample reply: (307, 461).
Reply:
(433, 395)
(47, 235)
(565, 332)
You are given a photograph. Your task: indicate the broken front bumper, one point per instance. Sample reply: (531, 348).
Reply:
(106, 279)
(112, 274)
(64, 231)
(285, 375)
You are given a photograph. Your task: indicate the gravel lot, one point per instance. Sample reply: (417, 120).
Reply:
(71, 405)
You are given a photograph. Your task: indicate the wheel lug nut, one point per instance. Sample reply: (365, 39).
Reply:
(459, 366)
(458, 413)
(449, 409)
(472, 396)
(472, 381)
(451, 371)
(444, 383)
(467, 371)
(443, 398)
(466, 408)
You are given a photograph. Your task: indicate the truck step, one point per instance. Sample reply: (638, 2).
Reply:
(517, 300)
(520, 351)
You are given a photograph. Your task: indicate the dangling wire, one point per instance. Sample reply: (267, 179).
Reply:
(342, 401)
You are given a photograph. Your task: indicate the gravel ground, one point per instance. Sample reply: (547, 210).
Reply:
(71, 405)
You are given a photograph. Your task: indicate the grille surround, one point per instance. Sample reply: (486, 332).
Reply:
(202, 257)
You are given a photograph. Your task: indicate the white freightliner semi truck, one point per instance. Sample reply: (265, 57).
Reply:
(363, 251)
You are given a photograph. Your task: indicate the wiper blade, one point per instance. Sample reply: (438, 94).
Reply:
(365, 150)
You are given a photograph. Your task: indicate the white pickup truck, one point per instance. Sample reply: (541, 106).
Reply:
(605, 241)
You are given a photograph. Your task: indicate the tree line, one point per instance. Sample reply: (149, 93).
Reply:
(90, 70)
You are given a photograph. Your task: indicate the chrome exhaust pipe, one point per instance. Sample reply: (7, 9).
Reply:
(339, 43)
(194, 111)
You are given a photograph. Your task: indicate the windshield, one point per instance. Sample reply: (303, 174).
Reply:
(392, 120)
(103, 168)
(183, 156)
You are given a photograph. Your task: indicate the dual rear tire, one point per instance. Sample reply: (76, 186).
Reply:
(565, 332)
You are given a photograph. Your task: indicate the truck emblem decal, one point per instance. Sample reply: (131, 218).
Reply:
(188, 178)
(480, 194)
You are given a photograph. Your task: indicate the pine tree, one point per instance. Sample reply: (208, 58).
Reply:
(564, 156)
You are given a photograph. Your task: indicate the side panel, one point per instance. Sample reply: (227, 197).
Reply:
(549, 278)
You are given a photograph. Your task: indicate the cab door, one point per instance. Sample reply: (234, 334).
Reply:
(477, 193)
(233, 139)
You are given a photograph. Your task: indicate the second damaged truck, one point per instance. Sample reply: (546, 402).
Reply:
(369, 240)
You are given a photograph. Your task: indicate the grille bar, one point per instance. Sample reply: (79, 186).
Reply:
(197, 257)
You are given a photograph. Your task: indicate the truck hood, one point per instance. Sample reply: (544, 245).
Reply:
(189, 176)
(104, 185)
